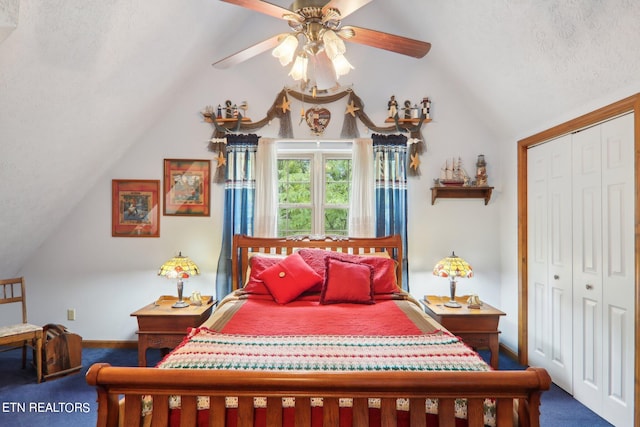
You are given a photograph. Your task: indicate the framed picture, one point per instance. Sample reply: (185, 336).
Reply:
(186, 187)
(135, 207)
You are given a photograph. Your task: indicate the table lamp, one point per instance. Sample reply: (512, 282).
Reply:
(179, 267)
(452, 267)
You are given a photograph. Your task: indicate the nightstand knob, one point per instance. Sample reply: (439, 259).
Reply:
(589, 287)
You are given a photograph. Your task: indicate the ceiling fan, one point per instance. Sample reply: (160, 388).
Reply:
(318, 24)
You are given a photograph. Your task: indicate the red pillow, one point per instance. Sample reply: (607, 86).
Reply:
(347, 281)
(257, 264)
(289, 278)
(384, 269)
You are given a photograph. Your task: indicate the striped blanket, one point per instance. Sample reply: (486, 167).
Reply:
(207, 349)
(439, 351)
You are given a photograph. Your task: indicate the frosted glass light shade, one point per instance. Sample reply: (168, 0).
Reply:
(286, 49)
(333, 45)
(299, 69)
(341, 66)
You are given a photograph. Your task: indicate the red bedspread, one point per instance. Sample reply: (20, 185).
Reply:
(308, 317)
(388, 317)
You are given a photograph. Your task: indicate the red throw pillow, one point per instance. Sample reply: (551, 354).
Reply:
(289, 278)
(384, 269)
(347, 282)
(257, 264)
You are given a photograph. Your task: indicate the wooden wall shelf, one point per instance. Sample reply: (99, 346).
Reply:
(405, 121)
(445, 192)
(209, 119)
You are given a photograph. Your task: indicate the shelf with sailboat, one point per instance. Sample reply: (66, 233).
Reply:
(455, 183)
(460, 192)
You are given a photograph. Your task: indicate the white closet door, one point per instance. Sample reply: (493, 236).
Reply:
(587, 274)
(604, 286)
(550, 260)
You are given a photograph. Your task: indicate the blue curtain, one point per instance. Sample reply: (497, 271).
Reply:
(239, 198)
(390, 161)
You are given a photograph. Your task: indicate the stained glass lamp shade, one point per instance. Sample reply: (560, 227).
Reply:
(452, 267)
(179, 267)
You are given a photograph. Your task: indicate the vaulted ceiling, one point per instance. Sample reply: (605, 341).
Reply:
(81, 80)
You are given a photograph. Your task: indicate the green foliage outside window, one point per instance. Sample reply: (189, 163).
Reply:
(296, 186)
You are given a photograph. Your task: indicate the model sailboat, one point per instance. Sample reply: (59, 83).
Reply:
(452, 173)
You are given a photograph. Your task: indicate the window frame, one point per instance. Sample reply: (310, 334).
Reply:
(317, 157)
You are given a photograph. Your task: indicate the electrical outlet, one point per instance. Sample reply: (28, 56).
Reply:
(71, 314)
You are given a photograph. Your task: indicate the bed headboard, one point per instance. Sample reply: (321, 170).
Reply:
(244, 245)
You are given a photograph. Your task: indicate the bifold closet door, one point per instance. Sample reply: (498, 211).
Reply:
(550, 259)
(603, 268)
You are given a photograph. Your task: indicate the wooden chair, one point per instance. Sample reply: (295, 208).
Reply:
(20, 334)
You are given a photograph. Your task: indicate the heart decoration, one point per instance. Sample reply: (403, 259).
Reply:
(318, 119)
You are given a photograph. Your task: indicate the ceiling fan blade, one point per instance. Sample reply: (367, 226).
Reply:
(261, 6)
(346, 7)
(390, 42)
(249, 52)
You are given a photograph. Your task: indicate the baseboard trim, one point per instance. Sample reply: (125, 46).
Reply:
(109, 344)
(509, 352)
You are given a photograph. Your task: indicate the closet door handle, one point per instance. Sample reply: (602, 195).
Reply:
(589, 287)
(556, 277)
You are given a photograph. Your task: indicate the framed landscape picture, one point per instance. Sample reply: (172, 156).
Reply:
(135, 209)
(186, 187)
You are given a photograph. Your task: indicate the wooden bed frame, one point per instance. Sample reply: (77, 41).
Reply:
(517, 393)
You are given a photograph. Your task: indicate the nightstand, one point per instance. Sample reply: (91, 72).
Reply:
(164, 327)
(477, 327)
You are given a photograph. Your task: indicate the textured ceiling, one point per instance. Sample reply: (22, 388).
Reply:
(102, 70)
(8, 17)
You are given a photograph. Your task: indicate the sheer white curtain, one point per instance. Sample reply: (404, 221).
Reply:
(362, 217)
(266, 206)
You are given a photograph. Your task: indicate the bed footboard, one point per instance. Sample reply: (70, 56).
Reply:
(513, 391)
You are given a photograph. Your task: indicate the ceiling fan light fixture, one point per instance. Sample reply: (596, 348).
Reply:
(333, 44)
(286, 49)
(341, 66)
(299, 69)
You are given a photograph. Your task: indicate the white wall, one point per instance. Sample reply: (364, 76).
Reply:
(106, 278)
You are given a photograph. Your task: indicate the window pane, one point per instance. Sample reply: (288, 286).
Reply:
(337, 181)
(294, 181)
(294, 221)
(335, 221)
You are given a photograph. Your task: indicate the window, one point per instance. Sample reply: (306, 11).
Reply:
(313, 193)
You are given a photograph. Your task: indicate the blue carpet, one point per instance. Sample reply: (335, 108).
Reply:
(64, 401)
(69, 402)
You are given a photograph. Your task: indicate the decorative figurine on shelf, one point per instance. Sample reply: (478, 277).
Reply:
(235, 111)
(244, 106)
(481, 171)
(228, 109)
(407, 109)
(392, 106)
(219, 113)
(415, 112)
(453, 174)
(426, 107)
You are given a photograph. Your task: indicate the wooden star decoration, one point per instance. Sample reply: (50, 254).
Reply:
(415, 161)
(285, 104)
(221, 159)
(351, 108)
